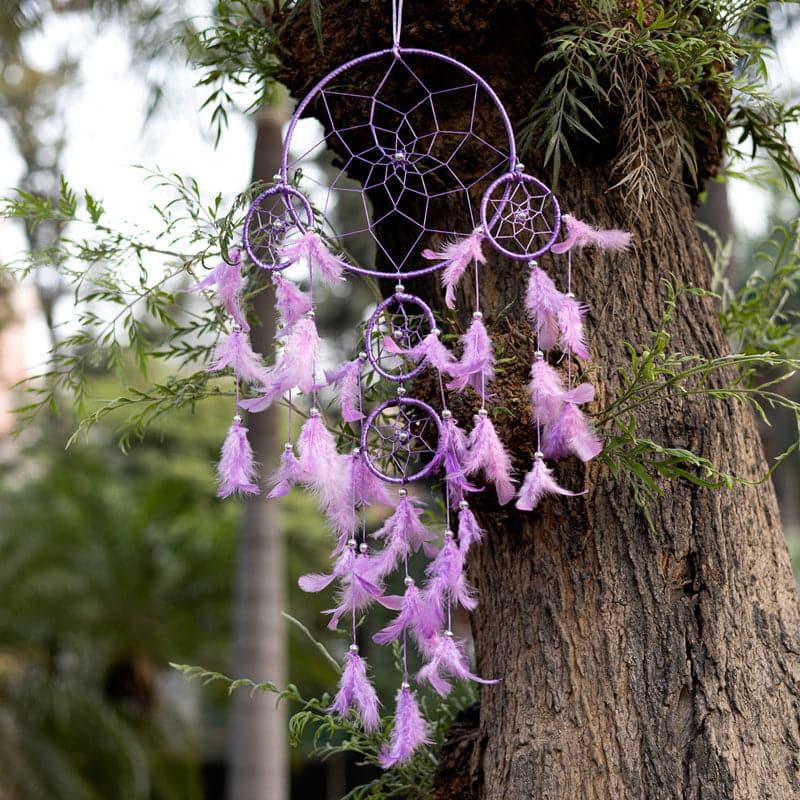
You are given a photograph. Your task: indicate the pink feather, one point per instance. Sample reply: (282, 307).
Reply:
(317, 581)
(402, 534)
(357, 592)
(236, 470)
(455, 457)
(311, 248)
(292, 304)
(357, 693)
(476, 366)
(488, 455)
(446, 579)
(570, 320)
(409, 732)
(538, 483)
(287, 474)
(582, 234)
(430, 348)
(347, 379)
(458, 255)
(234, 351)
(227, 280)
(543, 302)
(547, 391)
(469, 532)
(368, 489)
(320, 466)
(415, 616)
(571, 432)
(448, 660)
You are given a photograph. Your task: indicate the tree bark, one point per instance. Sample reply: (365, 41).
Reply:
(258, 738)
(635, 664)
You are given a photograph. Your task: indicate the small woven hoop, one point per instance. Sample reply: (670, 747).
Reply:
(374, 320)
(287, 195)
(427, 469)
(507, 183)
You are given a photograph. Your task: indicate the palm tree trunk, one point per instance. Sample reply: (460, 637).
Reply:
(258, 736)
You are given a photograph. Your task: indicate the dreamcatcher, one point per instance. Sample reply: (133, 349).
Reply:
(402, 163)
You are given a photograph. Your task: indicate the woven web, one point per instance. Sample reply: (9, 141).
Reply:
(269, 224)
(406, 322)
(524, 217)
(417, 141)
(402, 441)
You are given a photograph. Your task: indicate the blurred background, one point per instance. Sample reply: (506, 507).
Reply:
(114, 564)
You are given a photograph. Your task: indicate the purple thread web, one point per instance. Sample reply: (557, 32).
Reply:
(400, 163)
(401, 440)
(520, 216)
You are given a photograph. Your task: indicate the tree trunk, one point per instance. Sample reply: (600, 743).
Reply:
(635, 664)
(258, 743)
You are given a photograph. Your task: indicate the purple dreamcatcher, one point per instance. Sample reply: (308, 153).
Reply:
(400, 164)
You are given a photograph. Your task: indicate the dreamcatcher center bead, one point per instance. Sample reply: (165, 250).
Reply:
(571, 295)
(288, 447)
(436, 331)
(356, 451)
(313, 412)
(533, 263)
(483, 412)
(405, 685)
(538, 355)
(448, 634)
(362, 356)
(399, 288)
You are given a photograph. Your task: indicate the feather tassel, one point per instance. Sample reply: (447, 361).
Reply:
(402, 533)
(476, 366)
(487, 454)
(538, 483)
(415, 616)
(287, 474)
(547, 391)
(570, 321)
(582, 234)
(446, 579)
(234, 351)
(409, 732)
(571, 433)
(448, 660)
(455, 457)
(457, 255)
(320, 467)
(469, 532)
(310, 247)
(430, 348)
(357, 693)
(227, 280)
(358, 591)
(236, 471)
(346, 379)
(543, 303)
(292, 304)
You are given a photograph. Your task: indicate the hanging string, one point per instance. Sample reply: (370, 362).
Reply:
(311, 314)
(569, 294)
(397, 22)
(478, 309)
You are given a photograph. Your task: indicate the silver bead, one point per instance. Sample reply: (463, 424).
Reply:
(483, 412)
(310, 314)
(408, 580)
(288, 447)
(237, 418)
(314, 412)
(401, 391)
(533, 263)
(277, 177)
(399, 156)
(399, 288)
(356, 451)
(571, 295)
(353, 648)
(363, 547)
(237, 328)
(538, 455)
(403, 436)
(477, 315)
(520, 167)
(402, 492)
(448, 534)
(352, 543)
(436, 332)
(448, 634)
(463, 504)
(362, 355)
(538, 355)
(405, 685)
(446, 414)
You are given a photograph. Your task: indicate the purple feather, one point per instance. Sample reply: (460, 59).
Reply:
(347, 379)
(292, 304)
(320, 466)
(547, 391)
(455, 457)
(571, 433)
(415, 616)
(570, 320)
(448, 660)
(227, 280)
(430, 349)
(402, 533)
(358, 591)
(469, 532)
(357, 693)
(446, 579)
(543, 302)
(317, 581)
(287, 474)
(476, 366)
(488, 455)
(538, 483)
(236, 470)
(409, 732)
(310, 247)
(368, 489)
(234, 351)
(458, 255)
(582, 234)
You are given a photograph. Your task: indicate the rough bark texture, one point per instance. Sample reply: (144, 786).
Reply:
(258, 741)
(634, 665)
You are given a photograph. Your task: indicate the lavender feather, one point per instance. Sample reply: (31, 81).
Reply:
(227, 280)
(234, 351)
(409, 732)
(455, 457)
(571, 433)
(458, 255)
(538, 483)
(311, 248)
(287, 474)
(570, 321)
(448, 660)
(346, 378)
(292, 304)
(582, 234)
(236, 470)
(543, 303)
(476, 366)
(487, 454)
(357, 693)
(547, 391)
